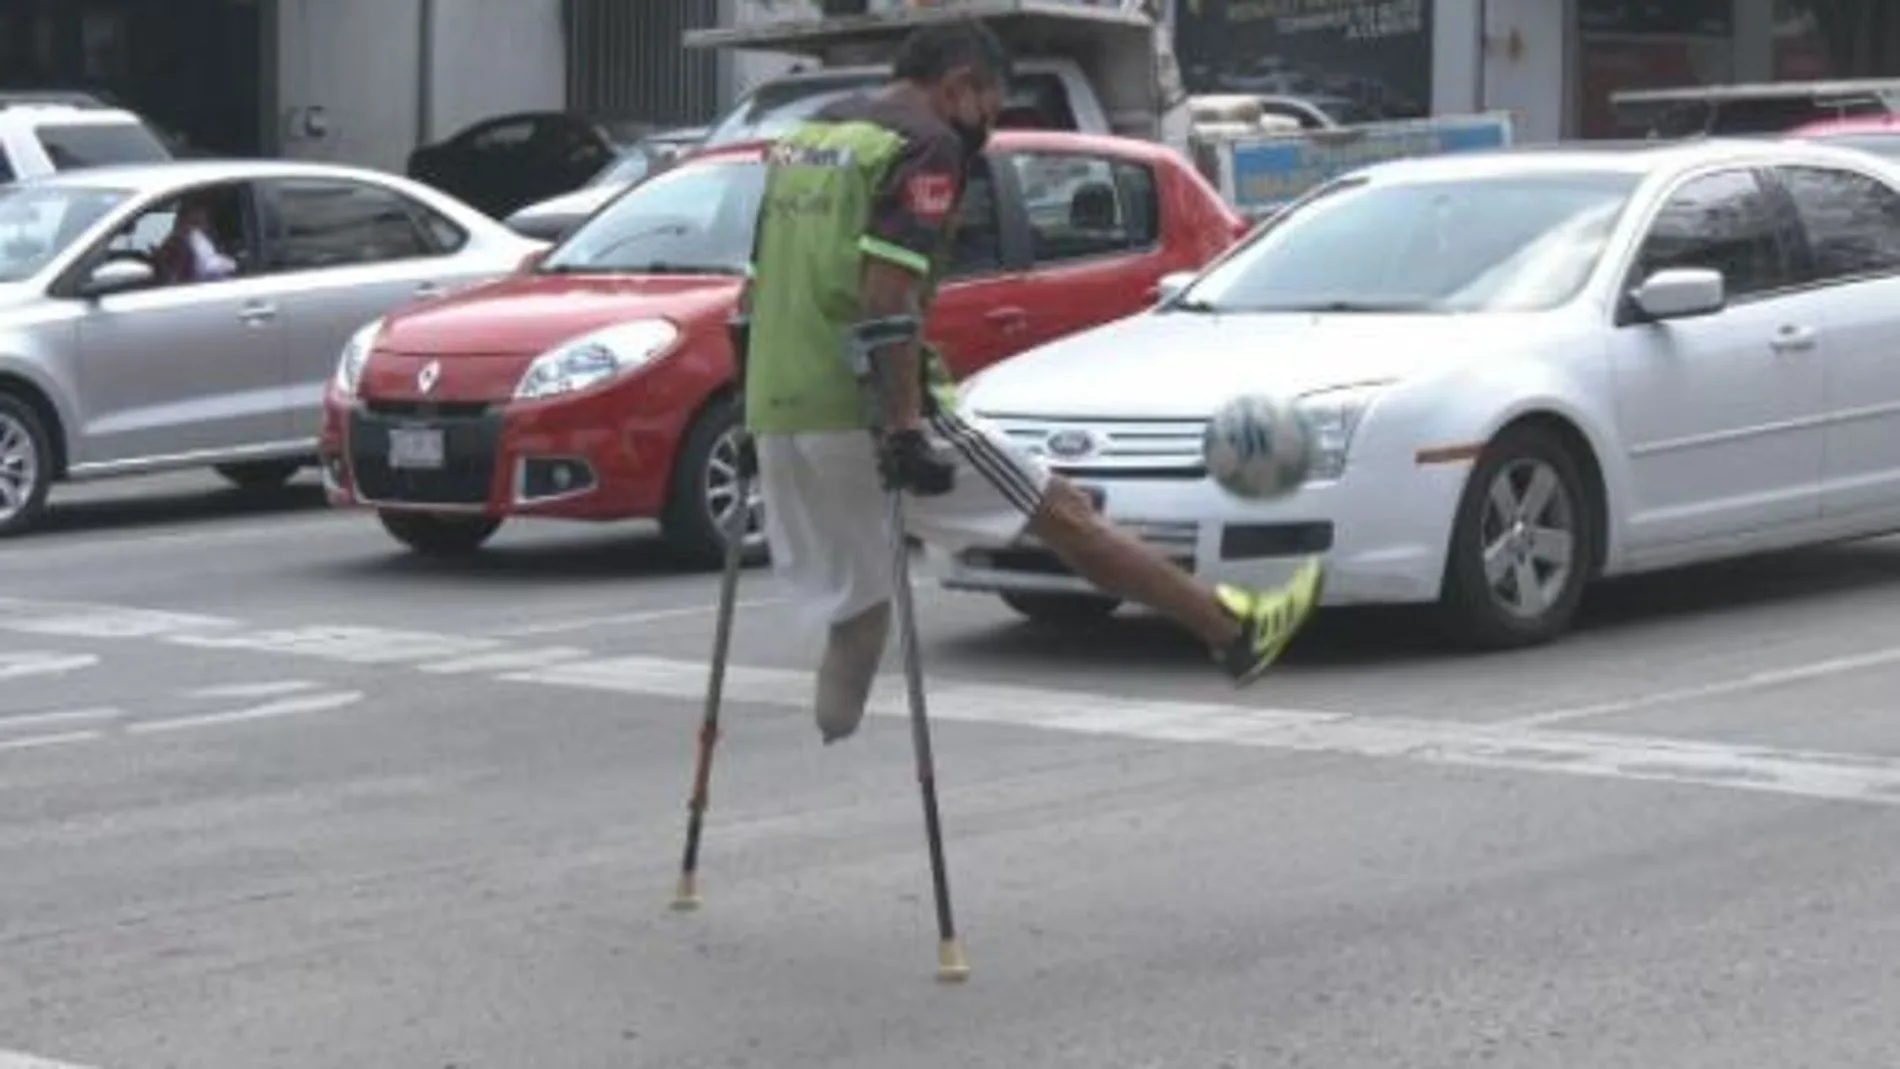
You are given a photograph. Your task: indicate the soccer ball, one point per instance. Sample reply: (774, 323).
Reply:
(1258, 447)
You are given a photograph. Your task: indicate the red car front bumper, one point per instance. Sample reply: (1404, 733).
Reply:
(604, 454)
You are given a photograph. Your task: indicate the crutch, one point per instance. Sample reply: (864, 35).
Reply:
(865, 340)
(686, 898)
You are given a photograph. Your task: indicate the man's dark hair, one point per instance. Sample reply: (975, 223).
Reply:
(932, 51)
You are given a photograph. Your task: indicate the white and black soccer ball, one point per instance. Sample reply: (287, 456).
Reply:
(1258, 446)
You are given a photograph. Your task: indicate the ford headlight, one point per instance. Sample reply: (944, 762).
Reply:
(1335, 415)
(349, 366)
(595, 358)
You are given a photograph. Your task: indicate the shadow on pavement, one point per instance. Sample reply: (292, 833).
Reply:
(114, 512)
(1394, 635)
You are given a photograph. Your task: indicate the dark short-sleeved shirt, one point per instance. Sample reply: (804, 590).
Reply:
(867, 176)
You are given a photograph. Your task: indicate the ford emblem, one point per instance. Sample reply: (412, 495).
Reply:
(1070, 444)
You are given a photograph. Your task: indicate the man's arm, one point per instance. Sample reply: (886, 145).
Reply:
(900, 245)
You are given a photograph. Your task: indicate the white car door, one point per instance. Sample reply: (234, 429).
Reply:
(1852, 222)
(1722, 415)
(357, 250)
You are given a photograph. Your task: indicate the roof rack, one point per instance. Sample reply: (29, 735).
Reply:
(1856, 89)
(70, 98)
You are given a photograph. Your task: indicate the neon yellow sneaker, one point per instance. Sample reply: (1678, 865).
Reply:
(1269, 620)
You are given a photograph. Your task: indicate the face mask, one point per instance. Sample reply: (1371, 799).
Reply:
(973, 133)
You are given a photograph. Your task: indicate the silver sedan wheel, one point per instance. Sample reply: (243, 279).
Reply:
(1529, 535)
(19, 468)
(722, 492)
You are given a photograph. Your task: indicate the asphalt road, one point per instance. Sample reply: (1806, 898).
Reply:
(272, 794)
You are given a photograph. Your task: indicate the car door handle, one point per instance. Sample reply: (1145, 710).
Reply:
(1793, 339)
(257, 312)
(1010, 320)
(429, 290)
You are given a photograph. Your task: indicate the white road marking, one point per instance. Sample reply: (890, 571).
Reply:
(559, 627)
(76, 620)
(14, 1059)
(506, 660)
(350, 645)
(23, 663)
(35, 742)
(1807, 774)
(256, 690)
(70, 716)
(315, 703)
(1765, 680)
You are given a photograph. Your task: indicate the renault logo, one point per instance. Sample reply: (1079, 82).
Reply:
(1070, 444)
(430, 374)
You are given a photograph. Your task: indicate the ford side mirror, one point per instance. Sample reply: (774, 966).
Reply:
(1680, 293)
(117, 276)
(1172, 285)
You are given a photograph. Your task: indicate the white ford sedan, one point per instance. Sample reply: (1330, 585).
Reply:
(1527, 369)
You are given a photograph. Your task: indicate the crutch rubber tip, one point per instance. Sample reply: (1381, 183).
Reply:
(951, 966)
(686, 898)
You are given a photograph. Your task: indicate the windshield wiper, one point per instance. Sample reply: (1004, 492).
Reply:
(669, 267)
(1197, 305)
(1388, 306)
(657, 267)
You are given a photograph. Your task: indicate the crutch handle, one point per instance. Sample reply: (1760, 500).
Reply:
(873, 334)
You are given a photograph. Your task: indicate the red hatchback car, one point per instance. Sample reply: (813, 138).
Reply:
(596, 382)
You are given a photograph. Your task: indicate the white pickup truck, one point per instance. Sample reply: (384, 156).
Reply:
(1095, 66)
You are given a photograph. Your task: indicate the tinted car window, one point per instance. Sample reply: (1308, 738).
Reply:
(1083, 206)
(1723, 222)
(73, 146)
(332, 223)
(977, 247)
(1852, 221)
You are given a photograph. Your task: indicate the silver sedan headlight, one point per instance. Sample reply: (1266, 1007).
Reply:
(349, 366)
(591, 359)
(1335, 416)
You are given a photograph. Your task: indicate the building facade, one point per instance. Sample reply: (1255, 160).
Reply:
(1551, 63)
(365, 81)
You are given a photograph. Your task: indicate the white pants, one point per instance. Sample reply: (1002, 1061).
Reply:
(825, 510)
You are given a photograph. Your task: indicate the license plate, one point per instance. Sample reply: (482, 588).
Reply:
(415, 448)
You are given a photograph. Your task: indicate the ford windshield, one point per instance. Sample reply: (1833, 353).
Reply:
(1518, 242)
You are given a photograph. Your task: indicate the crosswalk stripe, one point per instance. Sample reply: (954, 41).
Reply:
(1506, 747)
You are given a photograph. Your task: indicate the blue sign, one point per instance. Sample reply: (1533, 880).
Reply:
(1272, 172)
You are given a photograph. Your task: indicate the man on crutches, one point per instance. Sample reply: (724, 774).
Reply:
(856, 219)
(852, 418)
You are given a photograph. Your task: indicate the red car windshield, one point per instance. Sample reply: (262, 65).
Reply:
(690, 221)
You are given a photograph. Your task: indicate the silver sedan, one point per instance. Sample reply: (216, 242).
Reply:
(187, 315)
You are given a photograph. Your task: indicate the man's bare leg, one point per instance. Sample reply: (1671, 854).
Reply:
(1116, 561)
